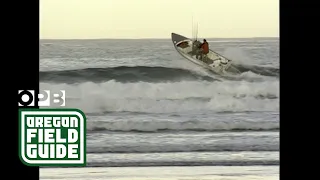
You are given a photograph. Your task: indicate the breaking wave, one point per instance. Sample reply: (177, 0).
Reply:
(175, 97)
(159, 126)
(190, 163)
(138, 73)
(261, 70)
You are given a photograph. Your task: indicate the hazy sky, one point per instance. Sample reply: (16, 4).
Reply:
(87, 19)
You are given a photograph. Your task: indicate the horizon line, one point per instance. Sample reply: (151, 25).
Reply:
(267, 37)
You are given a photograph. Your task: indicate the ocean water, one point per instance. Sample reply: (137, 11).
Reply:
(148, 106)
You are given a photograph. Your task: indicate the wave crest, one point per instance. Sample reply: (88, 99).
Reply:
(138, 73)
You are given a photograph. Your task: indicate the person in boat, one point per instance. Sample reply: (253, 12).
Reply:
(204, 49)
(183, 45)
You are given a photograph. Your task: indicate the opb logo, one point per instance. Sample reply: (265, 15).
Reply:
(45, 98)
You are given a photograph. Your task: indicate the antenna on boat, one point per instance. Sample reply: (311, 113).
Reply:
(194, 25)
(194, 30)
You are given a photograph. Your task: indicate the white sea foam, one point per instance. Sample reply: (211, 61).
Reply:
(171, 97)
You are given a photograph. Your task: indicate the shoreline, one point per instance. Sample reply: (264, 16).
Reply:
(161, 173)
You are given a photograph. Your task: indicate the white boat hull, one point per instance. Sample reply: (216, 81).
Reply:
(213, 61)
